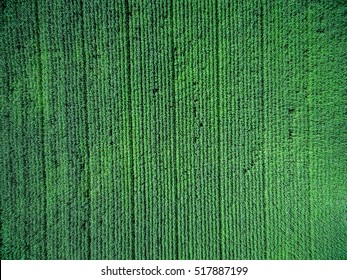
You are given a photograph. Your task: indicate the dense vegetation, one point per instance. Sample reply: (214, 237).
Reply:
(167, 129)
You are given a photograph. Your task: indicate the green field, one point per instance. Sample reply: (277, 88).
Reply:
(168, 129)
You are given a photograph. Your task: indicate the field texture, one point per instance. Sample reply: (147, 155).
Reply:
(167, 129)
